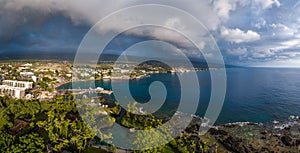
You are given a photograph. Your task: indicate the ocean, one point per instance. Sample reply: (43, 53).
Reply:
(259, 95)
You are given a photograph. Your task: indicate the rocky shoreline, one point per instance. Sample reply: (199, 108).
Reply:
(251, 137)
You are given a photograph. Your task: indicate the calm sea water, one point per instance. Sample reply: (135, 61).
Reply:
(253, 94)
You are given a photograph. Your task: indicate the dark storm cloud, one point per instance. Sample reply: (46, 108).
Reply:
(246, 31)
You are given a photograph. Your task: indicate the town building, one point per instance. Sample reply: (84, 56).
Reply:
(26, 74)
(15, 89)
(19, 84)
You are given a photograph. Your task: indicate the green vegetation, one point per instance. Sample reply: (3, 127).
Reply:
(183, 144)
(38, 126)
(46, 84)
(30, 126)
(132, 120)
(156, 137)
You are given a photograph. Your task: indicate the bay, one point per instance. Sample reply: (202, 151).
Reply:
(252, 94)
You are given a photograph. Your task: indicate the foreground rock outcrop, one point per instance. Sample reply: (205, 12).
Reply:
(251, 137)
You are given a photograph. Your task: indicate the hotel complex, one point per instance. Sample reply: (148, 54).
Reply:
(15, 89)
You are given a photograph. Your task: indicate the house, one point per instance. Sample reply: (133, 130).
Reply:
(26, 74)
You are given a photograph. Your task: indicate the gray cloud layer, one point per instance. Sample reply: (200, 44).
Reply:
(217, 15)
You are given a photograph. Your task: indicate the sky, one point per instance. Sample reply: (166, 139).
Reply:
(248, 32)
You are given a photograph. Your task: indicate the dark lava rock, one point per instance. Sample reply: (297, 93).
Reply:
(298, 142)
(288, 140)
(193, 128)
(231, 125)
(213, 131)
(234, 144)
(194, 138)
(264, 149)
(263, 132)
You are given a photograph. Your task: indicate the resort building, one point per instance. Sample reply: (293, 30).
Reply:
(12, 91)
(19, 84)
(16, 89)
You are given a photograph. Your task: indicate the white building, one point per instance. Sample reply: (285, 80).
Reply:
(16, 89)
(99, 89)
(26, 74)
(27, 65)
(20, 84)
(125, 71)
(34, 78)
(12, 91)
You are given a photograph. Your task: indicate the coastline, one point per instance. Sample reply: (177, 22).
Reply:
(102, 79)
(122, 77)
